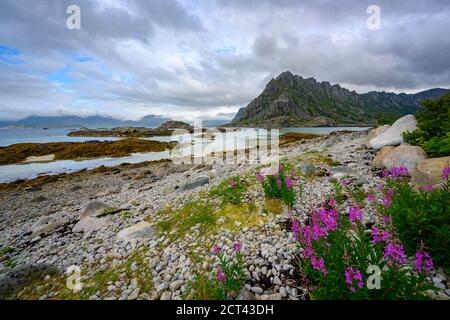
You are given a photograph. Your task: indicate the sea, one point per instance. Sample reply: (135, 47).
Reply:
(222, 142)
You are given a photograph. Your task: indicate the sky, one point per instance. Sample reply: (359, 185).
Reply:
(204, 59)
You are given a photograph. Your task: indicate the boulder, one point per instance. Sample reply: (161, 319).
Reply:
(408, 156)
(375, 132)
(89, 224)
(381, 155)
(141, 231)
(200, 181)
(340, 172)
(163, 169)
(245, 295)
(429, 171)
(95, 209)
(393, 135)
(307, 168)
(45, 226)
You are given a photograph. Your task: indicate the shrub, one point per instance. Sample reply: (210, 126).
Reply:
(229, 277)
(338, 251)
(278, 184)
(230, 191)
(420, 215)
(433, 122)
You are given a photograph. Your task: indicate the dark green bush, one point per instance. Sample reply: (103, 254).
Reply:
(422, 216)
(433, 122)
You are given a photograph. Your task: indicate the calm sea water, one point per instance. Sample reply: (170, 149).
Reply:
(222, 142)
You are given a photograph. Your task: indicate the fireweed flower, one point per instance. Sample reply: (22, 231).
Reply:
(308, 252)
(289, 183)
(237, 247)
(296, 230)
(395, 172)
(332, 203)
(329, 218)
(319, 265)
(387, 201)
(232, 183)
(371, 197)
(345, 182)
(446, 173)
(423, 262)
(354, 213)
(260, 177)
(394, 254)
(379, 236)
(216, 249)
(220, 275)
(353, 278)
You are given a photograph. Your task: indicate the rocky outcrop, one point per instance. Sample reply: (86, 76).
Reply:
(393, 136)
(429, 171)
(90, 224)
(377, 161)
(200, 181)
(407, 156)
(170, 125)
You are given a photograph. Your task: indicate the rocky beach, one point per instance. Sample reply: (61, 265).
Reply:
(119, 226)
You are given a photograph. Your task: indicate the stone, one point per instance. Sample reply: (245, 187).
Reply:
(375, 132)
(407, 156)
(134, 295)
(89, 224)
(162, 286)
(163, 169)
(340, 172)
(440, 285)
(175, 285)
(138, 232)
(95, 209)
(393, 135)
(257, 290)
(200, 181)
(277, 281)
(429, 171)
(283, 292)
(383, 153)
(45, 227)
(166, 296)
(245, 295)
(307, 168)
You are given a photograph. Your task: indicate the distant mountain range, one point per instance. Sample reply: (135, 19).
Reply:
(291, 100)
(150, 121)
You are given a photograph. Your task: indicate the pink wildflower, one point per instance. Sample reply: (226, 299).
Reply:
(371, 197)
(423, 262)
(354, 213)
(216, 249)
(394, 254)
(296, 230)
(237, 247)
(220, 275)
(319, 265)
(289, 183)
(232, 183)
(387, 201)
(353, 278)
(446, 173)
(260, 177)
(379, 236)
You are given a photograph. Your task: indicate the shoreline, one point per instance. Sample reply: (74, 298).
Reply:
(118, 265)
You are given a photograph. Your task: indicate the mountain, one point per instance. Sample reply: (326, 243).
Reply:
(4, 124)
(291, 100)
(150, 121)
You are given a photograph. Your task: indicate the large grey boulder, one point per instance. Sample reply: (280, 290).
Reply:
(141, 231)
(200, 181)
(46, 226)
(407, 156)
(89, 224)
(95, 209)
(393, 136)
(376, 132)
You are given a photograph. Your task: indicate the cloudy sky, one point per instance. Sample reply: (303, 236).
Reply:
(191, 59)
